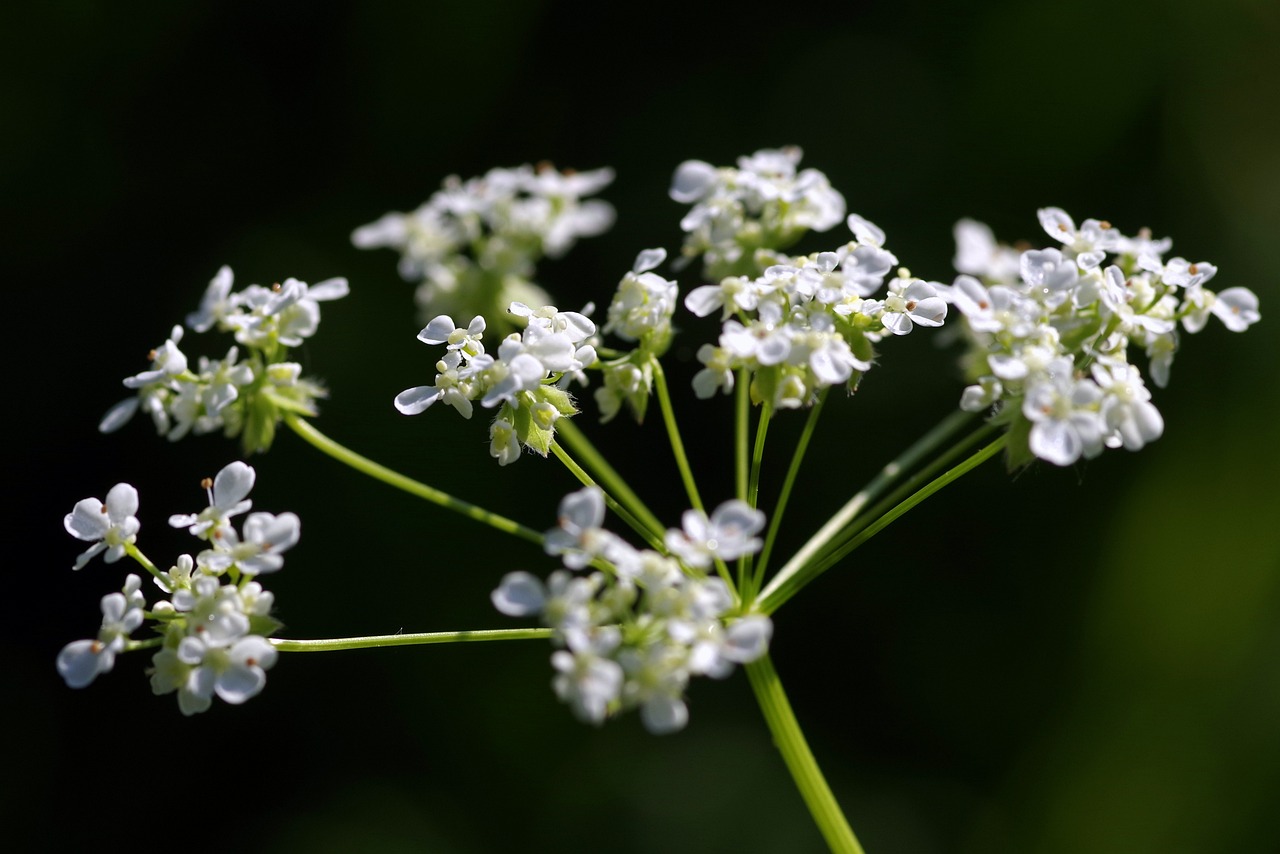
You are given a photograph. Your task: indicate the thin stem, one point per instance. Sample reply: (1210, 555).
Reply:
(873, 490)
(741, 429)
(790, 741)
(908, 486)
(757, 454)
(149, 643)
(612, 503)
(367, 466)
(774, 597)
(673, 433)
(134, 552)
(416, 639)
(610, 479)
(775, 523)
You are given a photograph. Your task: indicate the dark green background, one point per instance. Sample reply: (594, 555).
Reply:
(1067, 660)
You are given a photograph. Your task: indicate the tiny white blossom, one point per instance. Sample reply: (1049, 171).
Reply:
(728, 534)
(110, 526)
(80, 662)
(227, 498)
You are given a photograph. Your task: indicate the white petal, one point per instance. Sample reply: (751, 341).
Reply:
(232, 484)
(519, 595)
(411, 401)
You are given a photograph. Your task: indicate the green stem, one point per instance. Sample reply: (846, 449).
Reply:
(622, 513)
(149, 643)
(393, 478)
(873, 490)
(673, 433)
(609, 479)
(134, 552)
(416, 639)
(757, 454)
(741, 429)
(960, 450)
(777, 594)
(790, 741)
(775, 523)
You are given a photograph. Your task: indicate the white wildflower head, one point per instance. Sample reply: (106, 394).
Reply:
(472, 248)
(247, 392)
(1050, 330)
(632, 636)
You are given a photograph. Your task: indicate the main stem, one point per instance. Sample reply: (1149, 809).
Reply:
(390, 477)
(790, 741)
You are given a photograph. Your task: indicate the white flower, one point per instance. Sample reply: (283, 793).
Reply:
(167, 361)
(216, 305)
(504, 445)
(1066, 424)
(266, 536)
(644, 301)
(588, 682)
(80, 662)
(579, 516)
(1089, 244)
(728, 534)
(1127, 410)
(912, 302)
(198, 670)
(110, 527)
(226, 499)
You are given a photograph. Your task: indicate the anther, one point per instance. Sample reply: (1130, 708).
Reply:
(1104, 224)
(206, 483)
(151, 355)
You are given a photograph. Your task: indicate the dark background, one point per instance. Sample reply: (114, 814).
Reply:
(1066, 660)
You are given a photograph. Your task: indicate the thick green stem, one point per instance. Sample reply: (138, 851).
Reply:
(609, 479)
(393, 478)
(790, 741)
(416, 639)
(673, 433)
(873, 490)
(776, 594)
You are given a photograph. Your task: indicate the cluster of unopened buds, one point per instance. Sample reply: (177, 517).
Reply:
(214, 626)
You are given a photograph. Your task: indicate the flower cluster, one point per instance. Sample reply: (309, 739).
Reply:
(640, 314)
(214, 625)
(241, 397)
(763, 204)
(807, 323)
(473, 245)
(632, 633)
(527, 378)
(1051, 330)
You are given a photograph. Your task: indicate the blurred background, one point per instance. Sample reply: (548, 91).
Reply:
(1065, 660)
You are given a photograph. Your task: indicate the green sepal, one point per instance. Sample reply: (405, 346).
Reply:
(557, 397)
(260, 424)
(266, 625)
(529, 433)
(1017, 451)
